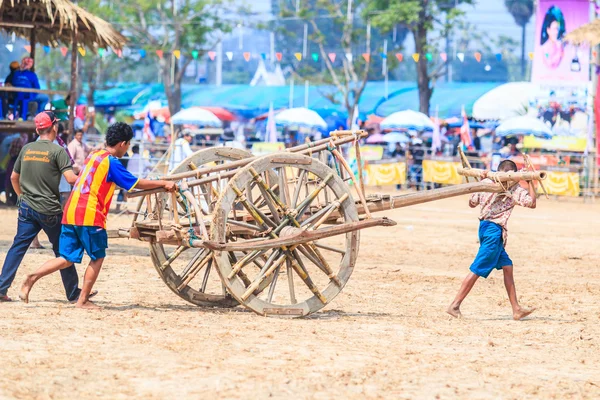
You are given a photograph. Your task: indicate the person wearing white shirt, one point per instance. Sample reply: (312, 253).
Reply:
(182, 150)
(137, 165)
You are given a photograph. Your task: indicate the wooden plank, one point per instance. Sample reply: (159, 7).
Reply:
(298, 238)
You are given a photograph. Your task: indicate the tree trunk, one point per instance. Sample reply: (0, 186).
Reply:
(172, 88)
(523, 52)
(92, 71)
(423, 80)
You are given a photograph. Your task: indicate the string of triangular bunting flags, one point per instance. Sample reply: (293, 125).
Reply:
(247, 56)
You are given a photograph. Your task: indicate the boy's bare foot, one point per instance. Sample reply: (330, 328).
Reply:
(522, 313)
(88, 305)
(454, 311)
(26, 288)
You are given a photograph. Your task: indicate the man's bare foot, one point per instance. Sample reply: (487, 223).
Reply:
(26, 288)
(454, 311)
(88, 305)
(522, 313)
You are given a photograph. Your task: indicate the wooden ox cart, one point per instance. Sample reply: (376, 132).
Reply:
(278, 234)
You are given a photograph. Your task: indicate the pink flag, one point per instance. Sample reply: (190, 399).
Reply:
(465, 130)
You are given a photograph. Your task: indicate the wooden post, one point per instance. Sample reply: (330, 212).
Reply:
(73, 92)
(32, 43)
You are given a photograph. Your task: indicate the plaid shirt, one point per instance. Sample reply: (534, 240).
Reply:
(497, 207)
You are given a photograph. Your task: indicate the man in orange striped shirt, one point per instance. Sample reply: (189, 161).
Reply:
(84, 219)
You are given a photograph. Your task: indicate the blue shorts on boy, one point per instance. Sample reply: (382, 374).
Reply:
(75, 239)
(491, 254)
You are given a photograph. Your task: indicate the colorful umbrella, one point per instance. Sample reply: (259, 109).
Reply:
(524, 125)
(376, 138)
(196, 116)
(396, 137)
(409, 120)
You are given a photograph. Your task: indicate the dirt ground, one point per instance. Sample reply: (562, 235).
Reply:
(385, 336)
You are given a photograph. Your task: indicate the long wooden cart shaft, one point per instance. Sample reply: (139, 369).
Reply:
(375, 203)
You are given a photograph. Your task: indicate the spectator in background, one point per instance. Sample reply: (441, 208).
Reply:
(182, 149)
(9, 97)
(85, 119)
(511, 149)
(415, 156)
(26, 78)
(79, 151)
(61, 108)
(398, 151)
(15, 148)
(137, 165)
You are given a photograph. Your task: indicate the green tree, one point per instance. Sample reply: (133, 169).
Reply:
(421, 17)
(333, 27)
(181, 29)
(521, 10)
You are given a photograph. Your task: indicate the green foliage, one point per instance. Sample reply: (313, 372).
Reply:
(421, 17)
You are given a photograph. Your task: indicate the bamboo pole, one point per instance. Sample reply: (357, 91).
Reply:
(505, 176)
(301, 149)
(232, 168)
(361, 195)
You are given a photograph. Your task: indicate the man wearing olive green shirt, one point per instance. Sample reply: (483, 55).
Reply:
(35, 179)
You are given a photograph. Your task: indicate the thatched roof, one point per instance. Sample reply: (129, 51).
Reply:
(585, 34)
(54, 21)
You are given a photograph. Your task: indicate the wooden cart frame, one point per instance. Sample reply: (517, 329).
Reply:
(278, 234)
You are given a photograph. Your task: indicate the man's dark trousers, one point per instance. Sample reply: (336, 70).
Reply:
(30, 224)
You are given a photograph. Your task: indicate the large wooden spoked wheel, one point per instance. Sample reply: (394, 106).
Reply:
(302, 279)
(190, 272)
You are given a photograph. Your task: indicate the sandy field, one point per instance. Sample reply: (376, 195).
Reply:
(385, 336)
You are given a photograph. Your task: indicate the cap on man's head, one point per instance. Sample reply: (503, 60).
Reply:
(45, 120)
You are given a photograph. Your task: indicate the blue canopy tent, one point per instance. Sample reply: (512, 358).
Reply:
(250, 101)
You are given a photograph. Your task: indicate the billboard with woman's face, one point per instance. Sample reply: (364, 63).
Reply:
(556, 62)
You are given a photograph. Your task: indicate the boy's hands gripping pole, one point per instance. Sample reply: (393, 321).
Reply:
(531, 168)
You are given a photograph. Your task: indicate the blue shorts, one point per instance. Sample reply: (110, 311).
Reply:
(491, 254)
(75, 239)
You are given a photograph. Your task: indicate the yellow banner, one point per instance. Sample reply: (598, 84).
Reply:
(445, 172)
(385, 174)
(562, 183)
(564, 143)
(262, 148)
(367, 153)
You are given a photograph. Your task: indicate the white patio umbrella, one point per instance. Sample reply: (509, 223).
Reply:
(506, 101)
(409, 120)
(524, 125)
(300, 116)
(396, 137)
(196, 116)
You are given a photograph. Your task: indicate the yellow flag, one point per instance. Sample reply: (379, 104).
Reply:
(531, 55)
(81, 51)
(177, 53)
(416, 57)
(298, 56)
